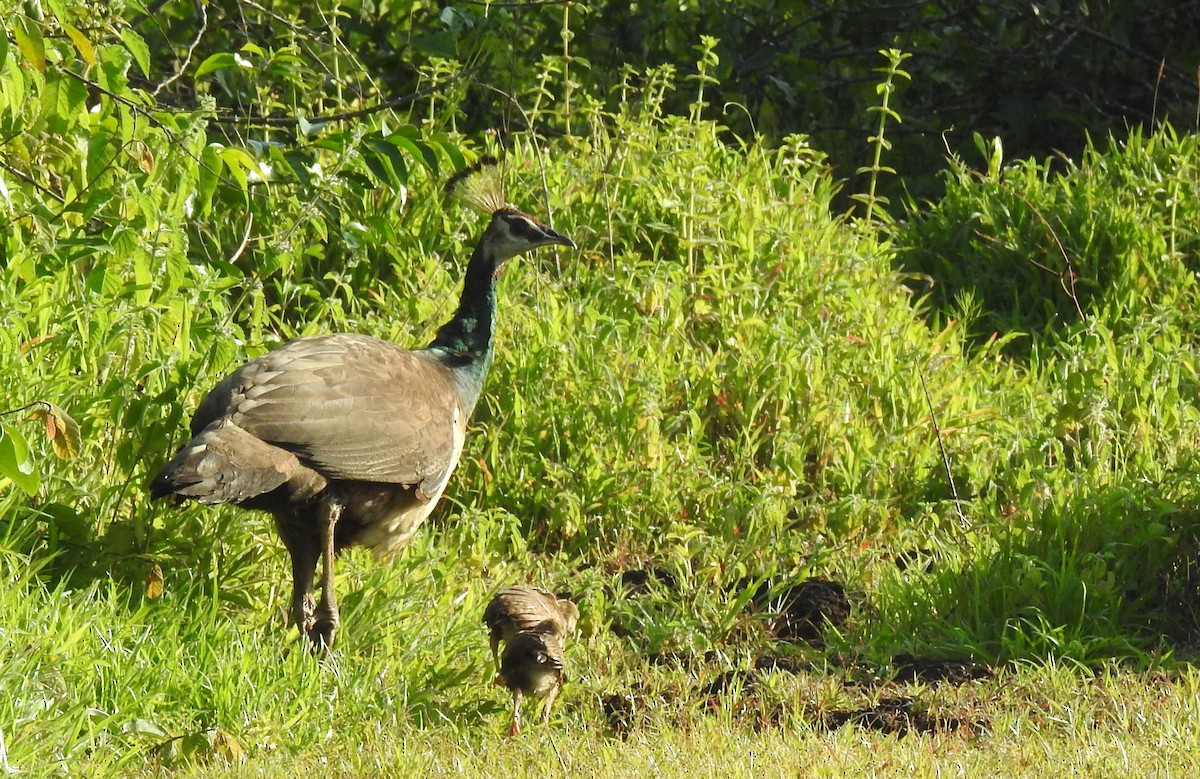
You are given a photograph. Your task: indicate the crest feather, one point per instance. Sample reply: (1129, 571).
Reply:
(479, 185)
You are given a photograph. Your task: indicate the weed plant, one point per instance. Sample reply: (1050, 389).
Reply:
(722, 386)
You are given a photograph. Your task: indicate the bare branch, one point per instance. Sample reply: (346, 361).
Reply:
(202, 10)
(291, 121)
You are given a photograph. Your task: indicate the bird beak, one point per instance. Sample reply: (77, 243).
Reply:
(553, 236)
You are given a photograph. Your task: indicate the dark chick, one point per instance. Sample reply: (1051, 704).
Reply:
(531, 666)
(514, 609)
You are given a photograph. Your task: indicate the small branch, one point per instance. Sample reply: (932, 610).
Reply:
(44, 404)
(28, 180)
(290, 121)
(245, 238)
(151, 9)
(937, 431)
(1070, 272)
(202, 10)
(527, 3)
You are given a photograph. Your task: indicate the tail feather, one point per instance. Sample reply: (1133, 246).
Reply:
(225, 464)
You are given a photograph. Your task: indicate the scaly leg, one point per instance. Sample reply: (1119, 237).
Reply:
(325, 618)
(304, 551)
(515, 728)
(550, 696)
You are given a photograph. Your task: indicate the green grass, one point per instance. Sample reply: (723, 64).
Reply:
(725, 382)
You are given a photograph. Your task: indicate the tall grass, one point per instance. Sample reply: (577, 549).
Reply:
(724, 382)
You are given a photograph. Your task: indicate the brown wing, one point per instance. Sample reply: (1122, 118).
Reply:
(522, 608)
(349, 406)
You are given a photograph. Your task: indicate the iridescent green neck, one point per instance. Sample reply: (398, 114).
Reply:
(464, 344)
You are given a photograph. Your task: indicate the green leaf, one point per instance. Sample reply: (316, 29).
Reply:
(84, 46)
(215, 62)
(238, 162)
(15, 462)
(211, 167)
(30, 43)
(3, 51)
(417, 149)
(438, 44)
(379, 166)
(145, 726)
(457, 160)
(138, 48)
(388, 150)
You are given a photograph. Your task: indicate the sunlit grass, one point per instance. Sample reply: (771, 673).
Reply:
(727, 383)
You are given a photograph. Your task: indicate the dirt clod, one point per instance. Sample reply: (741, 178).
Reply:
(803, 611)
(932, 671)
(898, 715)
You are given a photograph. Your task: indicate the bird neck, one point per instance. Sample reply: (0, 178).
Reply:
(464, 344)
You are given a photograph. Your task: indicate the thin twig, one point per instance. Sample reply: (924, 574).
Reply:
(43, 403)
(151, 9)
(28, 180)
(937, 431)
(202, 10)
(245, 238)
(1070, 272)
(290, 121)
(527, 3)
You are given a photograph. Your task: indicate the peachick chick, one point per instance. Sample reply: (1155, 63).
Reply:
(518, 608)
(532, 665)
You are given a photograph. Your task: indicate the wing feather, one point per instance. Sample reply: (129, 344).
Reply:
(349, 406)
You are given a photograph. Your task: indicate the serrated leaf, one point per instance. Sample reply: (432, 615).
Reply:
(15, 463)
(30, 43)
(138, 48)
(215, 62)
(82, 44)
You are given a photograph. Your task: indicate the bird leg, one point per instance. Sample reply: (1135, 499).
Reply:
(304, 552)
(325, 619)
(496, 654)
(550, 696)
(515, 728)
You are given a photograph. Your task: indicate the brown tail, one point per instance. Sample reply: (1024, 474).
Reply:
(225, 464)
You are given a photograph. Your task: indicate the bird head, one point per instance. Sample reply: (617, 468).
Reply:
(512, 232)
(570, 614)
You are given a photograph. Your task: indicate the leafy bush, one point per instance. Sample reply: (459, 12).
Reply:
(1024, 250)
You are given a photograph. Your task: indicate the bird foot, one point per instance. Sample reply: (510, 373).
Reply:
(322, 632)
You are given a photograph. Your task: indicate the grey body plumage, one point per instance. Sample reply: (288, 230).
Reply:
(348, 439)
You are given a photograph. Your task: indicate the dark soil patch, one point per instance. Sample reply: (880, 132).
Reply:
(727, 680)
(899, 715)
(916, 559)
(640, 579)
(681, 659)
(931, 671)
(804, 611)
(789, 665)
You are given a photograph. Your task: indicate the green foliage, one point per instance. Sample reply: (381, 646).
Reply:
(724, 384)
(1024, 250)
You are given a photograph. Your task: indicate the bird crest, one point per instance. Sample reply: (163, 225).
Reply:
(479, 185)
